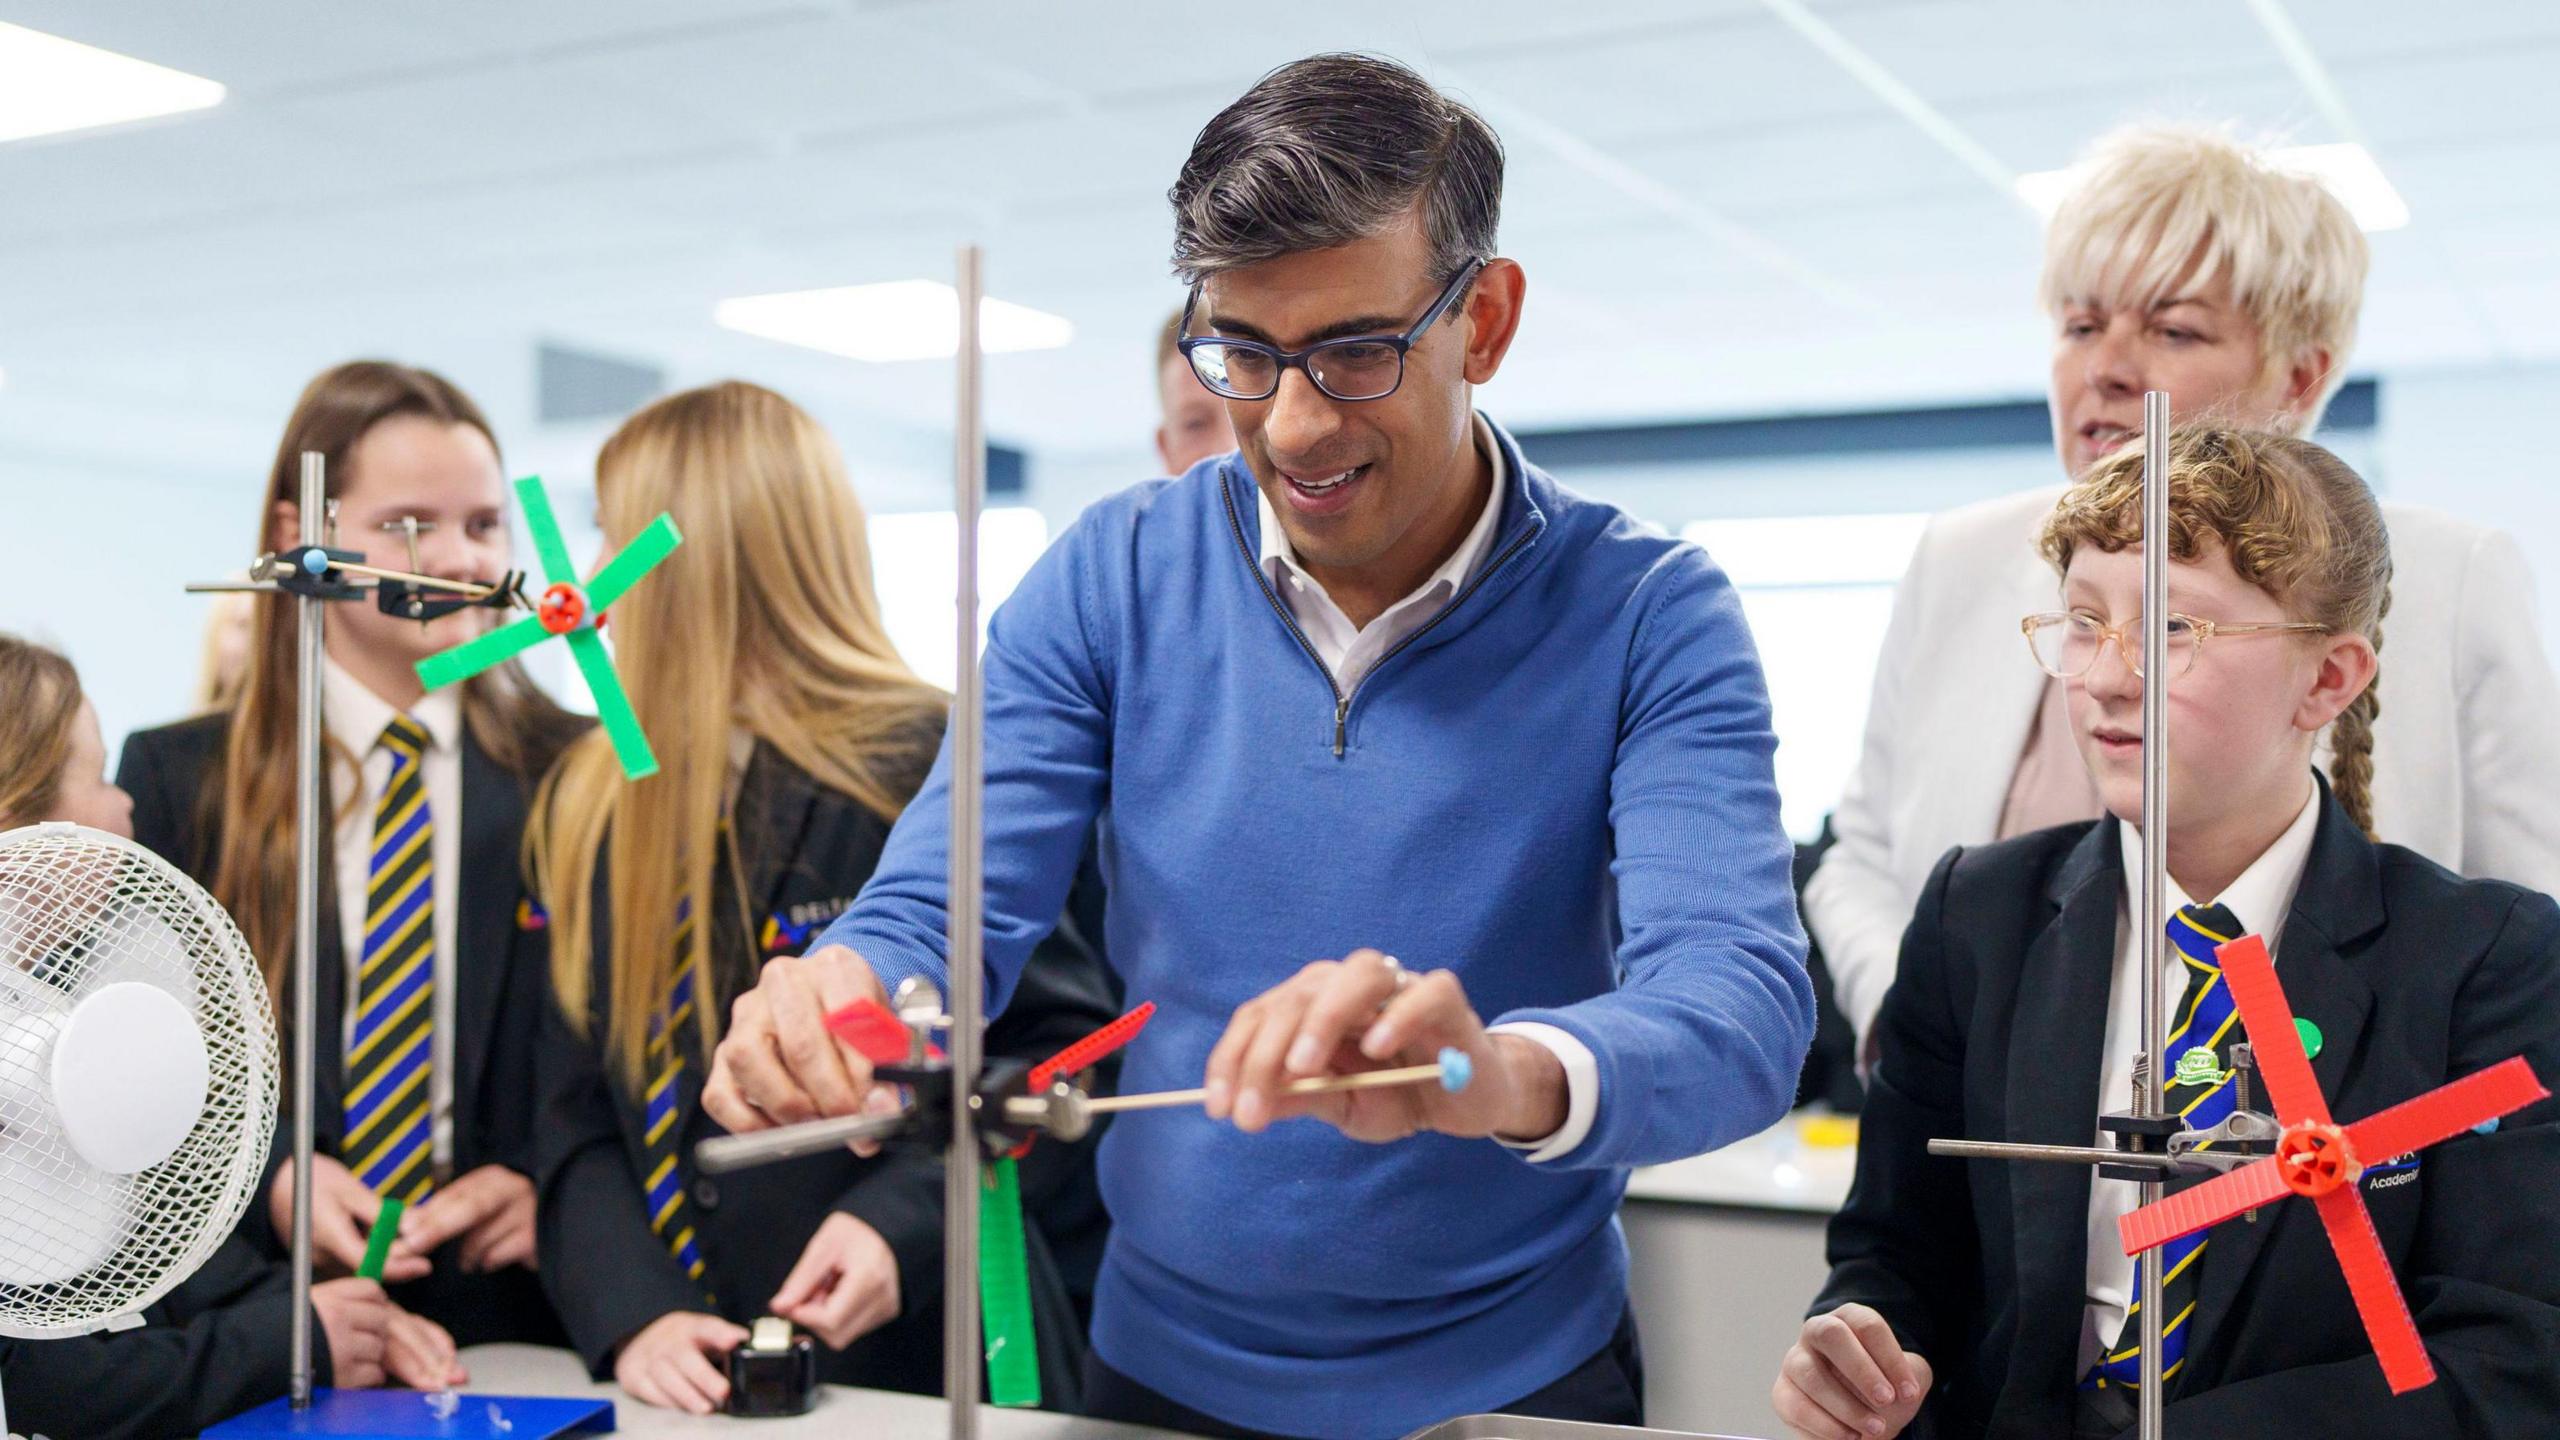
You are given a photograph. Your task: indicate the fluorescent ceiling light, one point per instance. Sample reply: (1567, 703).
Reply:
(49, 85)
(2347, 171)
(900, 320)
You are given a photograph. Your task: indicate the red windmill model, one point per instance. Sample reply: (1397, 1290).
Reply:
(2320, 1160)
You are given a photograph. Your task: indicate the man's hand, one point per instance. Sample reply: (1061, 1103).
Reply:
(1365, 1013)
(679, 1361)
(356, 1316)
(419, 1353)
(845, 1286)
(1848, 1378)
(342, 1212)
(490, 1210)
(779, 1064)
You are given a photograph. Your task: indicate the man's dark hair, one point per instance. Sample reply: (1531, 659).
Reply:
(1332, 149)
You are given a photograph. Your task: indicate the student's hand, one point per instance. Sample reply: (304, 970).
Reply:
(779, 1065)
(1365, 1013)
(845, 1286)
(679, 1361)
(419, 1353)
(356, 1316)
(1848, 1378)
(342, 1212)
(491, 1210)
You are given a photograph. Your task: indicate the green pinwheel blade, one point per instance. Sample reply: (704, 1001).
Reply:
(547, 544)
(473, 656)
(637, 559)
(613, 708)
(1004, 1292)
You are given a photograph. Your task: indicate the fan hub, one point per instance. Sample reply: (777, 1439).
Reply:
(2315, 1159)
(130, 1073)
(564, 608)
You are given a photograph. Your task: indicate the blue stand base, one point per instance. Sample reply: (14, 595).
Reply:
(399, 1413)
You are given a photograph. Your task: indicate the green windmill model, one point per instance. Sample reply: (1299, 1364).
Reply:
(572, 612)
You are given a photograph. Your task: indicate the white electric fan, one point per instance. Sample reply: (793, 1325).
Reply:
(137, 1080)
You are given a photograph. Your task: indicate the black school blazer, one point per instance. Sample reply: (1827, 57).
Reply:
(1993, 1030)
(807, 850)
(501, 973)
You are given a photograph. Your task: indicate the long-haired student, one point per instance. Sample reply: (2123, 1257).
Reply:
(217, 1344)
(790, 735)
(430, 989)
(1972, 1298)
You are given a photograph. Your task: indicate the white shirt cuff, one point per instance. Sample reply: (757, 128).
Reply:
(1581, 1089)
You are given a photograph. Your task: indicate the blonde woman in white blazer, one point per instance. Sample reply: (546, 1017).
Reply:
(2182, 262)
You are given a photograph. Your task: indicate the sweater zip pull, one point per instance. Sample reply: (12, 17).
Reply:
(1341, 713)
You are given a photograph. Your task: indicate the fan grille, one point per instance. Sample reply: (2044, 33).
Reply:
(81, 909)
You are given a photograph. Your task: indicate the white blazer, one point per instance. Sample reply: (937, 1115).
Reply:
(2464, 768)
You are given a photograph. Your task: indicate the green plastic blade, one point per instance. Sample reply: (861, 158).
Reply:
(377, 1243)
(1004, 1292)
(637, 559)
(547, 544)
(473, 656)
(613, 708)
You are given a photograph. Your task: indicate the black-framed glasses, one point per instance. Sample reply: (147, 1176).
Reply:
(1354, 367)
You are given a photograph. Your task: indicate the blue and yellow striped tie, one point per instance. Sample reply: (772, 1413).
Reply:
(662, 1114)
(390, 1126)
(2197, 1090)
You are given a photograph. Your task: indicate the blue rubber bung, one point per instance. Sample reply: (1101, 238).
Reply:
(313, 562)
(1455, 1070)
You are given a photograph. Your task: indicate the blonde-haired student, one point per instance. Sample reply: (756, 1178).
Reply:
(790, 736)
(216, 1345)
(430, 989)
(2187, 262)
(1972, 1298)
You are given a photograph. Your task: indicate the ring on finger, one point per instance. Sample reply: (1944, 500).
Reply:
(1403, 977)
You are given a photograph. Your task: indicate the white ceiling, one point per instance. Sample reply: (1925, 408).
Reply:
(1717, 216)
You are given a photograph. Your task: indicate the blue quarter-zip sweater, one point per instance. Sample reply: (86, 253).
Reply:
(1560, 789)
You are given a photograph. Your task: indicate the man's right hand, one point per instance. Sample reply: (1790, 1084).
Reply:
(356, 1316)
(342, 1212)
(679, 1361)
(1848, 1378)
(779, 1064)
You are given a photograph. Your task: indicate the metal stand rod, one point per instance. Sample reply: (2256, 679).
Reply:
(723, 1153)
(2060, 1154)
(2148, 1099)
(306, 914)
(960, 1343)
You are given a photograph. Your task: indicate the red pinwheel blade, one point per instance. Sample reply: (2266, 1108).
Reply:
(2210, 1203)
(1086, 1052)
(2272, 1038)
(869, 1028)
(2446, 1111)
(2369, 1279)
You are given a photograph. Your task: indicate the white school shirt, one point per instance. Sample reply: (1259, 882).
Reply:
(1349, 652)
(2261, 898)
(356, 717)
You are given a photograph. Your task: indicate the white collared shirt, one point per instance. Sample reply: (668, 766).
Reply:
(2261, 898)
(357, 717)
(1349, 652)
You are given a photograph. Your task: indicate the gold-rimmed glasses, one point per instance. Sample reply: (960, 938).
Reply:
(2066, 643)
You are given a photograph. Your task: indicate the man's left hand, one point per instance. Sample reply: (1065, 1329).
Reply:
(491, 1210)
(1363, 1013)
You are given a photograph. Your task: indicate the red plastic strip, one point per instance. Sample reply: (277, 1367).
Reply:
(2445, 1111)
(2378, 1302)
(2210, 1203)
(2272, 1038)
(1086, 1052)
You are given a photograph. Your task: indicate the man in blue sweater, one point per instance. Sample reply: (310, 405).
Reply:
(1372, 685)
